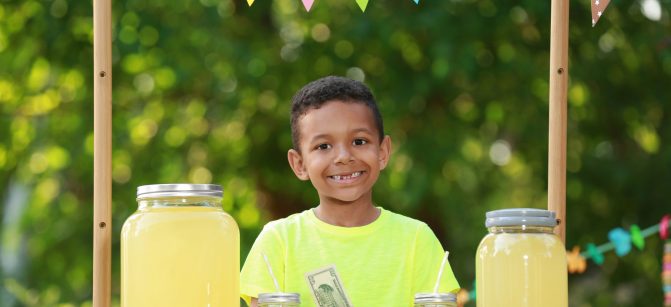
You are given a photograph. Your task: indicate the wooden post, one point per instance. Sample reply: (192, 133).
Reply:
(102, 154)
(558, 113)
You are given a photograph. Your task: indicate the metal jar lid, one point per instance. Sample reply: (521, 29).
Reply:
(520, 217)
(435, 298)
(179, 189)
(279, 297)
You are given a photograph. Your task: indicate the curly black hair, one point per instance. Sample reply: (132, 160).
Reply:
(316, 93)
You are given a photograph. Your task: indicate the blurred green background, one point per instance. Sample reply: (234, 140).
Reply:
(202, 91)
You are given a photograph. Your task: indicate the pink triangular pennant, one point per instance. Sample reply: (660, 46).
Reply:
(308, 4)
(598, 7)
(362, 4)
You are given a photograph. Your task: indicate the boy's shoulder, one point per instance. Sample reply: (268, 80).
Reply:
(404, 221)
(291, 221)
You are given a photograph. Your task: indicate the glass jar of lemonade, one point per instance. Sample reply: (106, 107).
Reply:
(435, 300)
(279, 299)
(180, 249)
(521, 262)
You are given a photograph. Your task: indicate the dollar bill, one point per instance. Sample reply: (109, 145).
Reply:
(327, 288)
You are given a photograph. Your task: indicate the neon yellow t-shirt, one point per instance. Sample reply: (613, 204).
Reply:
(383, 263)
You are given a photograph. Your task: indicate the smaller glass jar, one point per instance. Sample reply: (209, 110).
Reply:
(279, 299)
(435, 300)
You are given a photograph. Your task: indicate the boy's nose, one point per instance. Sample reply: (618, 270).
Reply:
(343, 155)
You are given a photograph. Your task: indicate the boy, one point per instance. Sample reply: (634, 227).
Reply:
(346, 251)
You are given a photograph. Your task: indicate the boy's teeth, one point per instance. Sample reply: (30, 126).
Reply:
(353, 175)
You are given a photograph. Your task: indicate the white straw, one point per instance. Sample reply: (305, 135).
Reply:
(270, 270)
(440, 272)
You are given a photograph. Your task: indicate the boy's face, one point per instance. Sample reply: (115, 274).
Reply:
(340, 151)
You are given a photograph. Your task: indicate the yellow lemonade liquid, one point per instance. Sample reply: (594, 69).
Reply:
(180, 256)
(521, 270)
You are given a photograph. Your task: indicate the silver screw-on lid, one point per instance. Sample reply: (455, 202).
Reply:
(279, 297)
(179, 189)
(435, 298)
(521, 216)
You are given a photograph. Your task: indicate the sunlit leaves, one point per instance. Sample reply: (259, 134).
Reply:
(410, 51)
(8, 91)
(142, 130)
(343, 49)
(646, 137)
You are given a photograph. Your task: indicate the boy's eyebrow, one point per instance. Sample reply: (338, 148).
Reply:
(362, 130)
(318, 136)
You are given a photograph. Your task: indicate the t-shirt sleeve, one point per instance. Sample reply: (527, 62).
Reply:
(254, 277)
(428, 255)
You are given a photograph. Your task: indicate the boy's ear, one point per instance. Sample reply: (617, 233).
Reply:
(385, 151)
(296, 163)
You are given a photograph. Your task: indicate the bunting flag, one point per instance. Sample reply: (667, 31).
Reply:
(598, 6)
(621, 242)
(576, 262)
(362, 4)
(308, 4)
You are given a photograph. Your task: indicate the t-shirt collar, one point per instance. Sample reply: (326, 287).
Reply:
(358, 230)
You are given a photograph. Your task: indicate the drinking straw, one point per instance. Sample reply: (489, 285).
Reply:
(440, 272)
(270, 270)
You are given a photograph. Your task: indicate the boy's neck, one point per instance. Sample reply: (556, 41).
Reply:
(347, 215)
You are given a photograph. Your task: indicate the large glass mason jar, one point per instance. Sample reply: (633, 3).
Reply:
(180, 249)
(521, 262)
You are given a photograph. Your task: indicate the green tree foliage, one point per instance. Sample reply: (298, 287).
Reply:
(202, 91)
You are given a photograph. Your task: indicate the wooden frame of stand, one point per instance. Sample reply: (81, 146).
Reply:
(102, 118)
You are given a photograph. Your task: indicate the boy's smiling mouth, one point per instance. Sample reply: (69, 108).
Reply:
(346, 178)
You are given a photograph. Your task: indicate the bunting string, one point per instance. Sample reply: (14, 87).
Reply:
(598, 7)
(308, 4)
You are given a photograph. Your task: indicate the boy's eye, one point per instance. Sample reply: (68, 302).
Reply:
(323, 146)
(359, 142)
